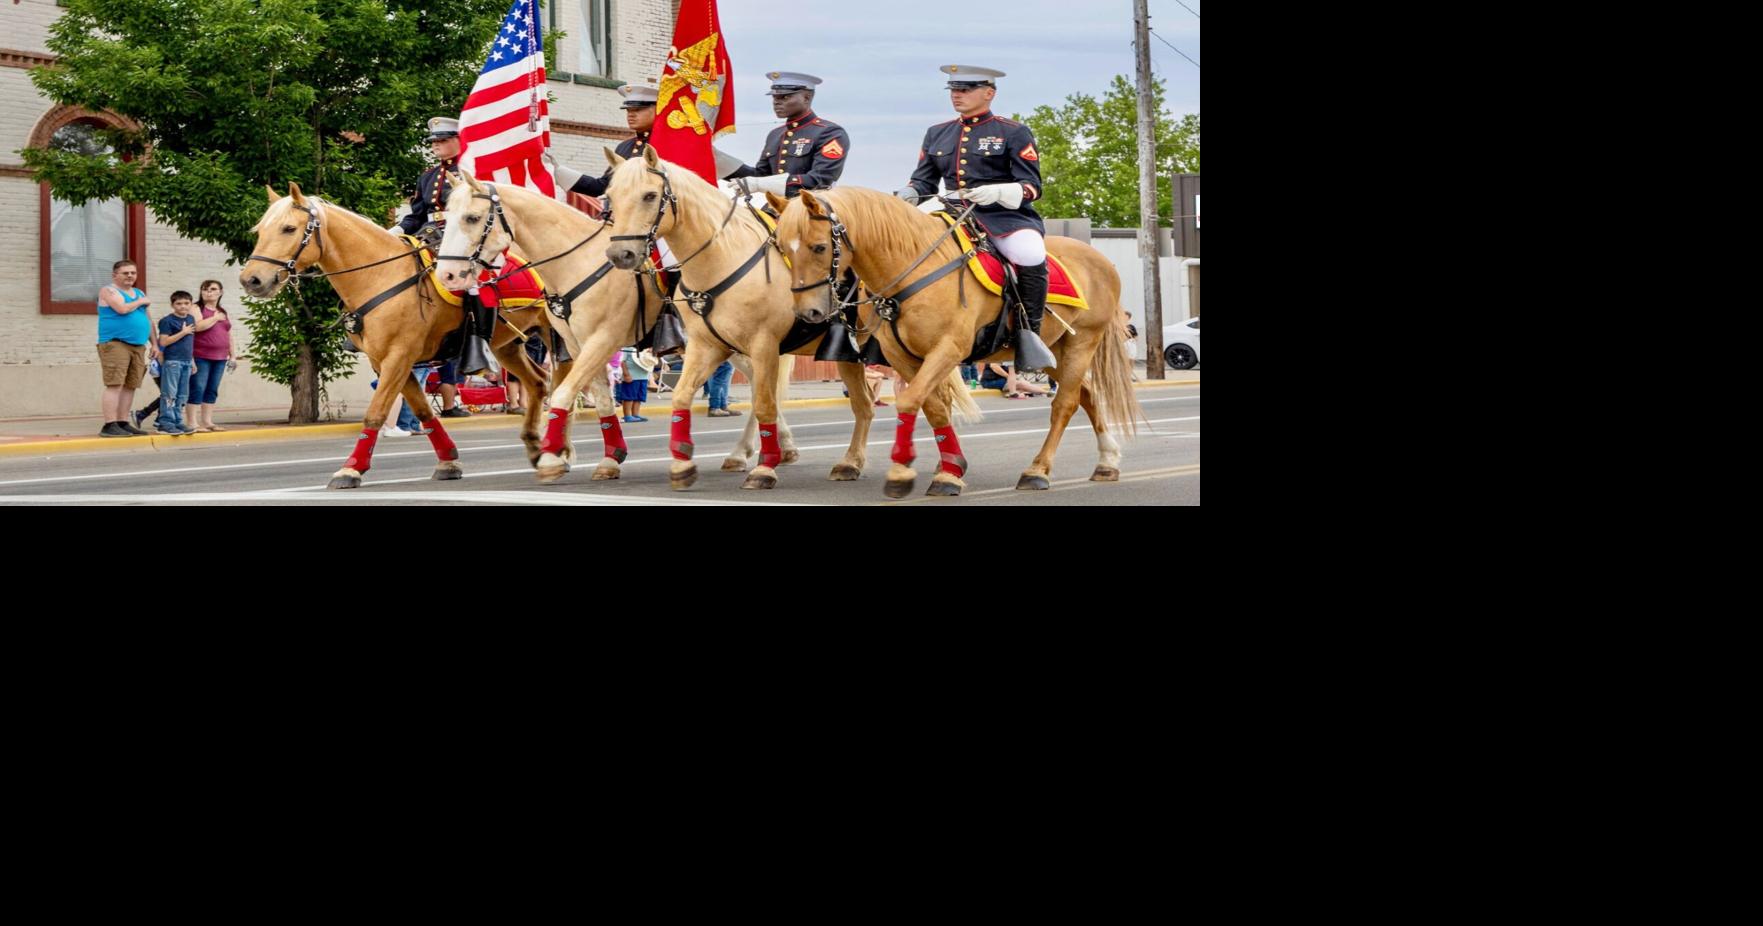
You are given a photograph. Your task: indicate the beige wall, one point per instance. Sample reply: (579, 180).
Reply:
(48, 363)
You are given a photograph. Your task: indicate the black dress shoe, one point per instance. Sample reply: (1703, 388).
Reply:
(113, 429)
(457, 411)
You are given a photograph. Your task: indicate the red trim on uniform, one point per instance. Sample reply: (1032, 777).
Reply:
(1030, 192)
(438, 439)
(680, 434)
(362, 458)
(770, 452)
(949, 451)
(903, 454)
(558, 419)
(833, 150)
(1029, 153)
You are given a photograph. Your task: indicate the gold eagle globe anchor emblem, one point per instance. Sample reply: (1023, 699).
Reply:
(692, 75)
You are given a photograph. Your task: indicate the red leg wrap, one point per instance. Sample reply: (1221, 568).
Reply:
(680, 440)
(362, 458)
(559, 421)
(903, 454)
(770, 454)
(614, 436)
(444, 449)
(950, 449)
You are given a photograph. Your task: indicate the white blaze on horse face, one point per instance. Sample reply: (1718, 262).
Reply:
(795, 245)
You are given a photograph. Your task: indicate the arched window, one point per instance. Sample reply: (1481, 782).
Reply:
(80, 243)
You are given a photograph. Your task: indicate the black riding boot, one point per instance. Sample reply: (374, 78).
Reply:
(476, 358)
(1031, 352)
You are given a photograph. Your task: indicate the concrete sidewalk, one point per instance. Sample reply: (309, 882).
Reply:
(49, 435)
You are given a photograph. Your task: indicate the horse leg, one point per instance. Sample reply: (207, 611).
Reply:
(951, 465)
(926, 380)
(736, 461)
(595, 348)
(1074, 363)
(862, 413)
(1107, 448)
(393, 372)
(512, 356)
(701, 358)
(765, 392)
(445, 451)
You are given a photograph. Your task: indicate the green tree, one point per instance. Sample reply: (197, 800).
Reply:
(230, 95)
(1089, 152)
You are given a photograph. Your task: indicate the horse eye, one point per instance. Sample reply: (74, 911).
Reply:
(648, 197)
(287, 229)
(473, 219)
(820, 249)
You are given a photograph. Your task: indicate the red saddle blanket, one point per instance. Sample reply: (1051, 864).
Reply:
(1061, 288)
(522, 288)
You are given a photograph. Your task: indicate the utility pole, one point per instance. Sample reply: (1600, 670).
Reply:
(1148, 193)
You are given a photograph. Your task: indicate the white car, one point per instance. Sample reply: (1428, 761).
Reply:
(1181, 345)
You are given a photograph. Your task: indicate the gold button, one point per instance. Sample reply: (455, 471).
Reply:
(964, 160)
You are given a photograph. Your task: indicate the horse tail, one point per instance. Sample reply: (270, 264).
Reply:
(1110, 382)
(963, 410)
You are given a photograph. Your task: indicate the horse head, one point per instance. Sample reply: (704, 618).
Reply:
(643, 207)
(477, 231)
(286, 235)
(815, 243)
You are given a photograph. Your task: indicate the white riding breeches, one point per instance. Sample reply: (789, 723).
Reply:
(1025, 248)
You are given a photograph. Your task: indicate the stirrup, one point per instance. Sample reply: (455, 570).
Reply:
(1032, 354)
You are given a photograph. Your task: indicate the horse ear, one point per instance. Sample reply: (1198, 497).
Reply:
(612, 156)
(650, 157)
(777, 202)
(273, 195)
(294, 191)
(472, 181)
(814, 206)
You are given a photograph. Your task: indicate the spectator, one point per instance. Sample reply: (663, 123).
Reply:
(124, 327)
(1002, 377)
(450, 380)
(633, 386)
(717, 388)
(177, 348)
(517, 397)
(214, 355)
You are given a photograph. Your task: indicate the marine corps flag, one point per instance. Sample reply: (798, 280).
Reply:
(696, 99)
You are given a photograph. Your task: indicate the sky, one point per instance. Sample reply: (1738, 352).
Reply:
(880, 61)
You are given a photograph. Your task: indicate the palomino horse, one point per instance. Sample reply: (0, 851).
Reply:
(735, 307)
(379, 277)
(935, 326)
(606, 310)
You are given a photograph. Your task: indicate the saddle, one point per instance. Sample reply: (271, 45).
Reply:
(993, 272)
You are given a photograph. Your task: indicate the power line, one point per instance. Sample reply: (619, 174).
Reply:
(1173, 48)
(1188, 8)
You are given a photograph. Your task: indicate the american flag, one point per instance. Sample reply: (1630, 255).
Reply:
(506, 123)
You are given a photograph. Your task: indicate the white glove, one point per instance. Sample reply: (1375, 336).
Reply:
(726, 163)
(776, 183)
(1008, 195)
(909, 194)
(566, 175)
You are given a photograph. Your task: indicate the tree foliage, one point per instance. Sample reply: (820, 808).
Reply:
(1089, 152)
(226, 96)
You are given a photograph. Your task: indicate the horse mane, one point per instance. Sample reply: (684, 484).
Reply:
(699, 196)
(885, 223)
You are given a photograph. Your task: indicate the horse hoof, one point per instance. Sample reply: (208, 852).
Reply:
(845, 472)
(734, 465)
(344, 482)
(791, 456)
(897, 488)
(1105, 474)
(604, 472)
(448, 471)
(550, 474)
(1036, 483)
(949, 489)
(760, 479)
(682, 479)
